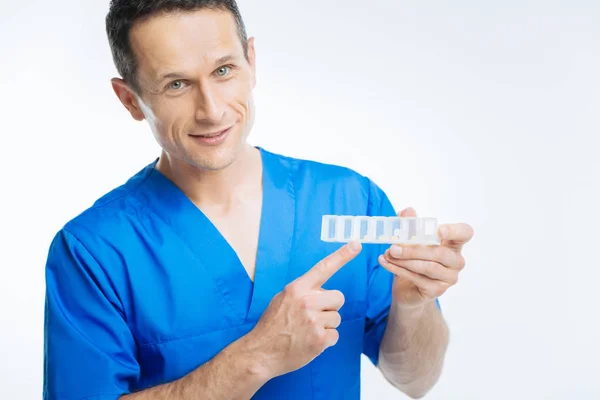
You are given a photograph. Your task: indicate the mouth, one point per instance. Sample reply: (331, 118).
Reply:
(213, 137)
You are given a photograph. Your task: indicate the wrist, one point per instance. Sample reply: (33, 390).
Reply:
(413, 311)
(252, 359)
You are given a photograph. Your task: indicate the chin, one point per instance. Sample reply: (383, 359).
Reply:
(215, 159)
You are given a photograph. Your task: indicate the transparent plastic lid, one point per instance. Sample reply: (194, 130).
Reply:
(387, 230)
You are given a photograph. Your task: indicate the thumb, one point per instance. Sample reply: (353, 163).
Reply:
(407, 213)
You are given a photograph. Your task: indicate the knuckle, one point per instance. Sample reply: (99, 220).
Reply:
(292, 290)
(335, 336)
(338, 297)
(461, 261)
(431, 270)
(304, 303)
(383, 259)
(343, 253)
(319, 341)
(338, 319)
(470, 230)
(322, 339)
(311, 319)
(441, 254)
(323, 265)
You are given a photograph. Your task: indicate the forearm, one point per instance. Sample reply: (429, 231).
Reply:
(234, 373)
(413, 348)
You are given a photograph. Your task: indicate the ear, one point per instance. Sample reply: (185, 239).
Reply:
(252, 59)
(128, 98)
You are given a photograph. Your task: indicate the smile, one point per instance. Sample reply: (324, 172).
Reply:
(213, 138)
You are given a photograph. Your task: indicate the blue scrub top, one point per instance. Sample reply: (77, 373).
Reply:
(142, 289)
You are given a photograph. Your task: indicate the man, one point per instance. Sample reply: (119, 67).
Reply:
(203, 276)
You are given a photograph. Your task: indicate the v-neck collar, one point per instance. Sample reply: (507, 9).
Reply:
(247, 299)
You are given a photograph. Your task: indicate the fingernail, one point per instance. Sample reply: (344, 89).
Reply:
(396, 251)
(354, 246)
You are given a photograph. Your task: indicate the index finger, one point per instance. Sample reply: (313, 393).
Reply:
(324, 269)
(455, 236)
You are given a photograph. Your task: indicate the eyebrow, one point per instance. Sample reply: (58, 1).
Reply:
(225, 59)
(180, 75)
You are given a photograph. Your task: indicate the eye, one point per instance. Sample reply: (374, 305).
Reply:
(223, 70)
(176, 85)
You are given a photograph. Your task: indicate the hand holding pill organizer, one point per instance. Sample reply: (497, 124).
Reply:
(423, 272)
(380, 230)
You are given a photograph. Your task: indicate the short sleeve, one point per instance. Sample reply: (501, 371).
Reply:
(89, 351)
(379, 285)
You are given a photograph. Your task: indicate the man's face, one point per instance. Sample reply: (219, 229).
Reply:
(194, 83)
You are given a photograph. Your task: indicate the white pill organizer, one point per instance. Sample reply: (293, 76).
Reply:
(386, 230)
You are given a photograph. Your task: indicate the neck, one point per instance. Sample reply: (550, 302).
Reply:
(215, 188)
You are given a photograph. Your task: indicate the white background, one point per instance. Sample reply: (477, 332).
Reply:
(470, 111)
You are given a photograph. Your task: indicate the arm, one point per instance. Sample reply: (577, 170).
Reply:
(233, 373)
(416, 337)
(413, 347)
(405, 335)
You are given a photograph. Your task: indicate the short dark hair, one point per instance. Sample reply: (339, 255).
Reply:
(124, 13)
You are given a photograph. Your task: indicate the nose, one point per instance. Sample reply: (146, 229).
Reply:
(210, 108)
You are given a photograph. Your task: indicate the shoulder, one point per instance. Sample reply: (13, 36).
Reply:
(108, 215)
(323, 176)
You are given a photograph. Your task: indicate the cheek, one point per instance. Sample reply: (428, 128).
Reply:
(171, 117)
(239, 96)
(154, 122)
(244, 107)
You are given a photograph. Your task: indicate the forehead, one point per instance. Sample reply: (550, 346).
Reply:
(183, 40)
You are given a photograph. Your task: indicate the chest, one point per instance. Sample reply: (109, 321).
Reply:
(242, 237)
(240, 227)
(187, 274)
